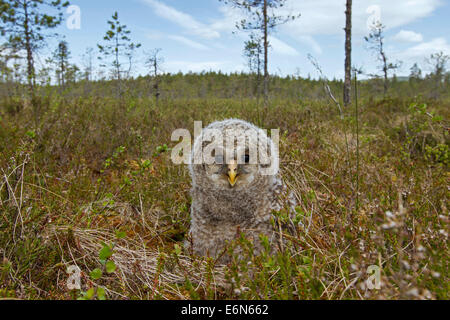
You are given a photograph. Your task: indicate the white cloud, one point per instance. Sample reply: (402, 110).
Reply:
(281, 47)
(154, 34)
(408, 36)
(189, 43)
(310, 42)
(326, 17)
(191, 25)
(425, 49)
(322, 20)
(227, 23)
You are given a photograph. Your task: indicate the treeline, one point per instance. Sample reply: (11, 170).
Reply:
(210, 85)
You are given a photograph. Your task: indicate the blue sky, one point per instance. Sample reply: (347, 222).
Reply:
(197, 35)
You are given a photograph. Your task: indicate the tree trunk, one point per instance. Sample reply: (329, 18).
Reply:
(266, 49)
(63, 70)
(118, 71)
(117, 57)
(156, 85)
(28, 48)
(385, 70)
(348, 53)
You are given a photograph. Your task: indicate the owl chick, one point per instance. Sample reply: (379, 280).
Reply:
(235, 187)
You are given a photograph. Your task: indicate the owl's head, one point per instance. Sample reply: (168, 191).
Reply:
(233, 155)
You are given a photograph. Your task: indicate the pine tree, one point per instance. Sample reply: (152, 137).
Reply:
(62, 56)
(119, 46)
(438, 61)
(88, 64)
(25, 24)
(416, 73)
(263, 19)
(253, 52)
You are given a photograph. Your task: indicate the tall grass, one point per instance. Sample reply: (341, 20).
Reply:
(97, 166)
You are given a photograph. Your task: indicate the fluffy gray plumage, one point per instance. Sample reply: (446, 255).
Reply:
(220, 211)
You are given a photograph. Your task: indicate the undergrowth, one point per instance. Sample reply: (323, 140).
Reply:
(93, 186)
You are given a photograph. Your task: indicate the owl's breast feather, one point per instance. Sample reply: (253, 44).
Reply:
(243, 207)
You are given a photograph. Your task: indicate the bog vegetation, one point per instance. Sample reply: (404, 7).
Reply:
(95, 176)
(86, 180)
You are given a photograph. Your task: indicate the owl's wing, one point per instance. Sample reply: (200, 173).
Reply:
(282, 199)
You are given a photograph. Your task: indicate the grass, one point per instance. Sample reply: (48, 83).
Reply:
(95, 176)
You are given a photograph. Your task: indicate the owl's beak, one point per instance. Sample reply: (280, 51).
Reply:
(232, 173)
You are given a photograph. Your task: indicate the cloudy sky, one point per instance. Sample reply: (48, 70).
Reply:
(197, 35)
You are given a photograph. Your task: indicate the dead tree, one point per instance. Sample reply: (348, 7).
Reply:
(375, 41)
(348, 53)
(153, 63)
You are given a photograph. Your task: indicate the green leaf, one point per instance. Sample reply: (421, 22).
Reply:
(437, 118)
(96, 274)
(177, 249)
(121, 234)
(31, 134)
(127, 181)
(105, 252)
(90, 293)
(101, 294)
(110, 266)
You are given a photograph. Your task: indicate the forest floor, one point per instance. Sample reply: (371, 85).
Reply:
(92, 185)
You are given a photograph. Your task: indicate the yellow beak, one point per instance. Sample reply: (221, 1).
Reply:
(232, 173)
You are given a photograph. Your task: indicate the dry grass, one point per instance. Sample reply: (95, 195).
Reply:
(93, 168)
